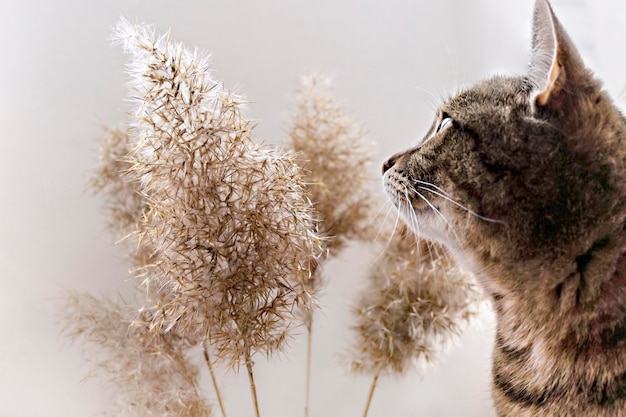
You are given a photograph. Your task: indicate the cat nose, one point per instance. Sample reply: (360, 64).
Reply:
(389, 163)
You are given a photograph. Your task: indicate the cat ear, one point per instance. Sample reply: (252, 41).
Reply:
(555, 65)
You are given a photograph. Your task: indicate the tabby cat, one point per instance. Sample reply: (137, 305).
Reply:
(523, 179)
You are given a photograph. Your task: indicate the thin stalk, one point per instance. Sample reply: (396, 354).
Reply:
(214, 380)
(249, 365)
(309, 289)
(371, 394)
(309, 344)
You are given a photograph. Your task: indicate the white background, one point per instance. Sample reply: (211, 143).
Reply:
(390, 60)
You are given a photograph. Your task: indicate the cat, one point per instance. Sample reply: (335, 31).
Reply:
(523, 180)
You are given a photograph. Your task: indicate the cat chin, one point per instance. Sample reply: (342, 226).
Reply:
(428, 225)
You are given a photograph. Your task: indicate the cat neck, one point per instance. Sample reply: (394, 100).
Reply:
(578, 303)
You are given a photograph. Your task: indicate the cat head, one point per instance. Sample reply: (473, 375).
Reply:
(526, 170)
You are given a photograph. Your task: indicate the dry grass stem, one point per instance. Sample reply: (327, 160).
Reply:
(232, 230)
(216, 388)
(253, 390)
(307, 376)
(370, 395)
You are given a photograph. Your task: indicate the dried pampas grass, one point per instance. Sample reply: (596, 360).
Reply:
(227, 239)
(417, 301)
(336, 158)
(232, 231)
(152, 375)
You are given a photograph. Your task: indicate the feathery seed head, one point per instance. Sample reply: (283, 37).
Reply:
(150, 372)
(231, 227)
(330, 145)
(417, 302)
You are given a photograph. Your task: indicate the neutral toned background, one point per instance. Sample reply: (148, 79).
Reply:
(390, 61)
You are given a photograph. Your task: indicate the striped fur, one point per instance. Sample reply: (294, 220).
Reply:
(523, 179)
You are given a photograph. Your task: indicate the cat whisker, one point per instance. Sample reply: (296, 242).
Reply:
(388, 205)
(430, 184)
(439, 192)
(434, 99)
(375, 218)
(414, 223)
(438, 212)
(412, 218)
(417, 235)
(389, 239)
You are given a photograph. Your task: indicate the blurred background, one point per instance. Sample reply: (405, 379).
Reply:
(391, 62)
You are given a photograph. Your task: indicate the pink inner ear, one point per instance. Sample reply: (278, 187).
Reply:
(556, 68)
(544, 68)
(543, 97)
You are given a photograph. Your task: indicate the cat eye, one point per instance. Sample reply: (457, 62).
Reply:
(444, 122)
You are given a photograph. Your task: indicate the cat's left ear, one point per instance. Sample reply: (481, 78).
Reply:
(556, 68)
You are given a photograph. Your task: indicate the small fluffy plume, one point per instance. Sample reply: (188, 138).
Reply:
(151, 374)
(329, 144)
(332, 149)
(231, 228)
(417, 301)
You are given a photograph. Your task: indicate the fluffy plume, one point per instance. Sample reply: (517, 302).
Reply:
(330, 144)
(228, 237)
(231, 228)
(417, 301)
(151, 374)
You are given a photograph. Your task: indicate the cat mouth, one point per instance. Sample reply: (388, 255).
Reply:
(403, 199)
(425, 221)
(417, 209)
(421, 214)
